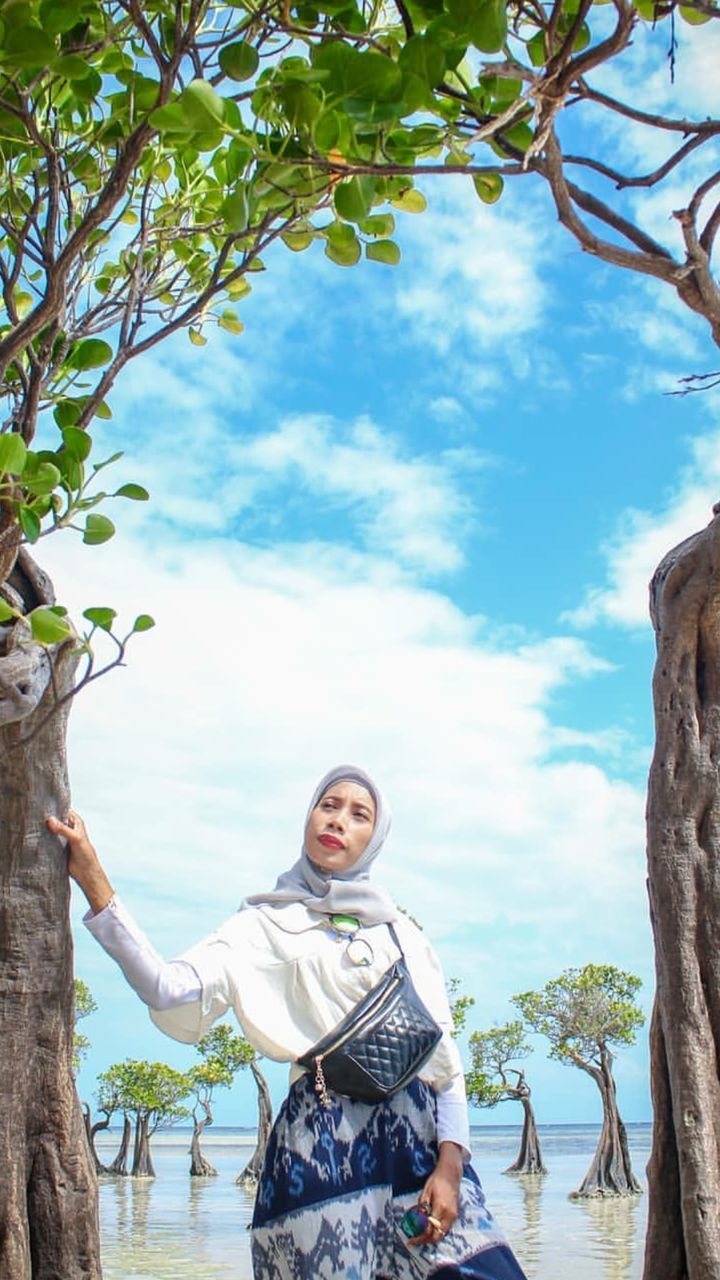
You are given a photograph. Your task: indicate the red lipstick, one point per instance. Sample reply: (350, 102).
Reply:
(331, 842)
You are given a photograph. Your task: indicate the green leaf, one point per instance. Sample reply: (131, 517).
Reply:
(202, 107)
(48, 627)
(326, 130)
(353, 198)
(239, 61)
(536, 49)
(134, 491)
(59, 16)
(425, 59)
(488, 26)
(91, 353)
(378, 224)
(410, 201)
(97, 529)
(29, 524)
(297, 240)
(6, 612)
(196, 338)
(230, 320)
(383, 251)
(100, 617)
(489, 186)
(13, 453)
(143, 622)
(343, 246)
(170, 119)
(44, 479)
(235, 209)
(693, 16)
(28, 47)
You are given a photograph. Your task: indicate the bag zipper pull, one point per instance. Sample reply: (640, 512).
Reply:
(320, 1086)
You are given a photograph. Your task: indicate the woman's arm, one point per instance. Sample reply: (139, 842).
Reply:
(161, 984)
(83, 863)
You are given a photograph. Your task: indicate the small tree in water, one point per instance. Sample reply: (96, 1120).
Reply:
(153, 1093)
(223, 1053)
(488, 1083)
(583, 1013)
(251, 1173)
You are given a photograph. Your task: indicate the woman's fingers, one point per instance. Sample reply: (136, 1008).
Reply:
(73, 828)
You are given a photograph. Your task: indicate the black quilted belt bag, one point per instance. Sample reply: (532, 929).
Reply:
(379, 1045)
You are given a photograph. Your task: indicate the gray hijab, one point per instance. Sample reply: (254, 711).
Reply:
(349, 892)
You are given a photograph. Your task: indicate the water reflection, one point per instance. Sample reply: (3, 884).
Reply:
(531, 1186)
(613, 1223)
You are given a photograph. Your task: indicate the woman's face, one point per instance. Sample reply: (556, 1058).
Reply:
(340, 826)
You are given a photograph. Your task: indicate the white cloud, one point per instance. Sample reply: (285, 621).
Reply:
(476, 276)
(411, 507)
(194, 764)
(644, 537)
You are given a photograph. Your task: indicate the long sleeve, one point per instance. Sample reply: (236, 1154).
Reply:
(452, 1115)
(161, 984)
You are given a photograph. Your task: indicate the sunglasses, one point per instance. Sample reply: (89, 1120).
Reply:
(414, 1222)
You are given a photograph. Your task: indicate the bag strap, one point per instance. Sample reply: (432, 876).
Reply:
(395, 939)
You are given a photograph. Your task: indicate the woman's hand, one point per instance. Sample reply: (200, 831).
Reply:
(83, 862)
(442, 1194)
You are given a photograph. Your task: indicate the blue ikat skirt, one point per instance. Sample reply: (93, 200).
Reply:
(336, 1183)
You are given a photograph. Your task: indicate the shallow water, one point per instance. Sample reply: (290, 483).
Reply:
(175, 1227)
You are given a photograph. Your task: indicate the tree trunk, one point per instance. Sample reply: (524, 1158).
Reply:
(119, 1164)
(199, 1166)
(142, 1166)
(683, 1238)
(610, 1173)
(91, 1130)
(250, 1175)
(529, 1158)
(48, 1195)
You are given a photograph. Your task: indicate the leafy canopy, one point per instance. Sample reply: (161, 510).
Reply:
(151, 1091)
(492, 1052)
(584, 1012)
(224, 1053)
(84, 1005)
(152, 154)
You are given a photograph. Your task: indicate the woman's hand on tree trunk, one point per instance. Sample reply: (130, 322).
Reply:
(83, 863)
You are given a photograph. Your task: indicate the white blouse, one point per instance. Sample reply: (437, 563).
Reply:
(289, 981)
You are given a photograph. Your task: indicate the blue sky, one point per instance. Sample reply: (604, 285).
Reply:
(408, 519)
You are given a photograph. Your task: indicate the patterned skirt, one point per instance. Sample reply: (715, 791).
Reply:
(337, 1181)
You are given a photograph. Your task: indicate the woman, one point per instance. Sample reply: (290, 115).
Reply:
(339, 1178)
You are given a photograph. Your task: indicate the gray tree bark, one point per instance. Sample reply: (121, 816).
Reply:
(119, 1164)
(142, 1165)
(250, 1175)
(529, 1158)
(48, 1194)
(610, 1173)
(199, 1166)
(683, 1238)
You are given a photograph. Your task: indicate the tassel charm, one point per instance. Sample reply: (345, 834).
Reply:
(320, 1086)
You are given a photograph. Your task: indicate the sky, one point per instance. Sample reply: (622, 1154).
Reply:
(406, 519)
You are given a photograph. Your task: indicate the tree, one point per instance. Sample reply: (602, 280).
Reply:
(250, 1175)
(583, 1013)
(459, 1006)
(153, 1093)
(83, 1006)
(683, 849)
(488, 1084)
(110, 1099)
(223, 1053)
